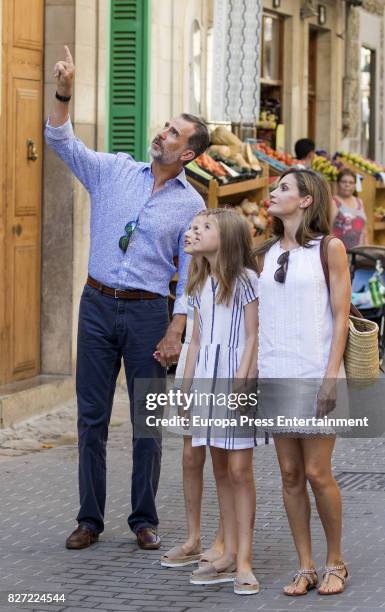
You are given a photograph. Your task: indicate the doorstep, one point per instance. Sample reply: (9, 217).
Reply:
(27, 398)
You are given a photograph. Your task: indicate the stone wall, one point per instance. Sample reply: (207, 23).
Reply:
(82, 25)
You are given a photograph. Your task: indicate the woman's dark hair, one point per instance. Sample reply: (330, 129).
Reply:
(315, 220)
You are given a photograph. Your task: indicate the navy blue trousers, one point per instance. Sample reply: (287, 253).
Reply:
(110, 329)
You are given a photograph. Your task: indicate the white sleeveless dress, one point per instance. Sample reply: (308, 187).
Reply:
(295, 335)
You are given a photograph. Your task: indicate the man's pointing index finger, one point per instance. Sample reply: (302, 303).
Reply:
(68, 56)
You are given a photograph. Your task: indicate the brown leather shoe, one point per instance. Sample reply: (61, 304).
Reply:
(147, 538)
(82, 537)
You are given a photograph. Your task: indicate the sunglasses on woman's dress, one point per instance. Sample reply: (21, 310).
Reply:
(283, 262)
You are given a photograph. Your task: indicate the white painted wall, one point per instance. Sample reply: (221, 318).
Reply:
(370, 36)
(170, 45)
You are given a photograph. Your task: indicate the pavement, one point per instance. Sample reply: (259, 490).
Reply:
(39, 502)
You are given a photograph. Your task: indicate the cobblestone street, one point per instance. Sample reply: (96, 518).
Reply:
(39, 503)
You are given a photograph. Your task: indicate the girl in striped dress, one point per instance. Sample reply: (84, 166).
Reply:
(223, 348)
(190, 552)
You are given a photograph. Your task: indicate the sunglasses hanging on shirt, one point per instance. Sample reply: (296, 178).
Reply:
(129, 230)
(281, 272)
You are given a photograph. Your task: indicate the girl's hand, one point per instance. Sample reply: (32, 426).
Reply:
(245, 386)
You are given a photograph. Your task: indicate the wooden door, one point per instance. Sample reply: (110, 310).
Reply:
(22, 186)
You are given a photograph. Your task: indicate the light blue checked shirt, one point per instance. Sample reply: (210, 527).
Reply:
(120, 190)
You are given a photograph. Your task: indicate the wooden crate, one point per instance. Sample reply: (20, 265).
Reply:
(216, 195)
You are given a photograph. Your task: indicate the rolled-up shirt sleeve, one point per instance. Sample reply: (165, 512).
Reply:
(87, 165)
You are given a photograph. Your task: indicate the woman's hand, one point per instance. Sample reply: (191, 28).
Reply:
(326, 397)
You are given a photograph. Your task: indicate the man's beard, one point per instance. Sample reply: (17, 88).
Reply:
(162, 157)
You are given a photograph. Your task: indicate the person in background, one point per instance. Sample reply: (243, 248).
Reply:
(304, 152)
(347, 214)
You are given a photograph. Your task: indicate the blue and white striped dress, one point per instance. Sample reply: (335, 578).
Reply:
(222, 341)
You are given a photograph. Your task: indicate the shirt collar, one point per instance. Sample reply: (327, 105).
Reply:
(181, 177)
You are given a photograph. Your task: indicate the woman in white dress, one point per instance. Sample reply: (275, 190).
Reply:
(303, 332)
(223, 348)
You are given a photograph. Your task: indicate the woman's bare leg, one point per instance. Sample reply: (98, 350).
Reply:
(297, 503)
(318, 469)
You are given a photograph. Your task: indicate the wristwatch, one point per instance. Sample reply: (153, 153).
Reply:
(62, 98)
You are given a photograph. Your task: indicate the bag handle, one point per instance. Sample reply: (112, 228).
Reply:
(325, 240)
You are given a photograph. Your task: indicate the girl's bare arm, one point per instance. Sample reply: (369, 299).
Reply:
(192, 354)
(248, 367)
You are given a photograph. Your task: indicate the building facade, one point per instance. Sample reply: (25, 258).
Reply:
(138, 63)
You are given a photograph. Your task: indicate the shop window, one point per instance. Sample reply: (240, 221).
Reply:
(195, 69)
(368, 66)
(271, 48)
(271, 78)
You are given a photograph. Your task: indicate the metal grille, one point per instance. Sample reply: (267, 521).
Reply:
(361, 481)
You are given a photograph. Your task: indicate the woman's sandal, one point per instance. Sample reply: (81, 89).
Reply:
(311, 577)
(246, 583)
(332, 571)
(176, 557)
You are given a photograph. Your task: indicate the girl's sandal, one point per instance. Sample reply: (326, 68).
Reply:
(208, 574)
(210, 556)
(311, 577)
(332, 571)
(176, 557)
(246, 583)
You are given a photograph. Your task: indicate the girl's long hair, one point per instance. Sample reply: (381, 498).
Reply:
(315, 221)
(234, 255)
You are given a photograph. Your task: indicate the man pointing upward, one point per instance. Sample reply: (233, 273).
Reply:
(139, 213)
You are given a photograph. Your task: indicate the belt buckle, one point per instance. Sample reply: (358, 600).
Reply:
(116, 296)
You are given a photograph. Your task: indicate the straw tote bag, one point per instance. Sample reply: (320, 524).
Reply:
(361, 355)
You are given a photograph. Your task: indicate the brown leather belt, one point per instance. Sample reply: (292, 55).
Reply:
(124, 294)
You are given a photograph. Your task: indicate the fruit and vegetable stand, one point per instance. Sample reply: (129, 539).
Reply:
(238, 173)
(230, 174)
(232, 193)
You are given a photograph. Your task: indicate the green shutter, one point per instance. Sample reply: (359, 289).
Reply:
(128, 71)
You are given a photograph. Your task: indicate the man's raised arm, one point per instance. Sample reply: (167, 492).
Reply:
(88, 166)
(64, 72)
